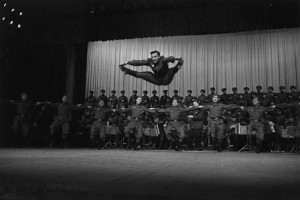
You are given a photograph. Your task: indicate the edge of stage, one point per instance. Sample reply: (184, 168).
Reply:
(148, 174)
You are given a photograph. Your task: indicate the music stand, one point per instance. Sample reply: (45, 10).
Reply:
(242, 130)
(293, 132)
(110, 130)
(151, 132)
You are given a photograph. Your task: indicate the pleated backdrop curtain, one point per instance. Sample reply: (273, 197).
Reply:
(266, 58)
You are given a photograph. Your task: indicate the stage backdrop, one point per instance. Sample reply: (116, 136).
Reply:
(266, 58)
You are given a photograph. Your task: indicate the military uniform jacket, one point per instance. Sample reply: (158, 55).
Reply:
(146, 100)
(24, 109)
(177, 97)
(198, 119)
(114, 99)
(163, 99)
(136, 111)
(188, 100)
(132, 99)
(154, 102)
(64, 111)
(91, 101)
(175, 111)
(103, 97)
(256, 112)
(282, 96)
(215, 109)
(123, 100)
(101, 113)
(201, 99)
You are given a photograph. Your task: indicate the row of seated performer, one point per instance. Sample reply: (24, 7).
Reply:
(213, 125)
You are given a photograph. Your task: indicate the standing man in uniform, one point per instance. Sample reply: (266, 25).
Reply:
(24, 108)
(154, 100)
(136, 122)
(176, 96)
(282, 95)
(188, 99)
(294, 93)
(224, 97)
(235, 96)
(90, 100)
(247, 95)
(175, 123)
(255, 116)
(98, 128)
(215, 120)
(202, 98)
(62, 119)
(211, 95)
(133, 97)
(164, 98)
(161, 75)
(103, 97)
(258, 93)
(113, 98)
(146, 99)
(123, 100)
(270, 94)
(196, 121)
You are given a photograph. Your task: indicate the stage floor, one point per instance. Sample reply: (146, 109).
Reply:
(137, 175)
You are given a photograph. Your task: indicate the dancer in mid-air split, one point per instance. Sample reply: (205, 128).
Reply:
(162, 74)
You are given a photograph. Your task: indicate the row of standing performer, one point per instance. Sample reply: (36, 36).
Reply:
(169, 124)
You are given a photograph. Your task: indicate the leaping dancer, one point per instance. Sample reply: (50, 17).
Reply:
(161, 75)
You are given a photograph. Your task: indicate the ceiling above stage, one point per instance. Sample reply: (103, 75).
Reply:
(85, 8)
(103, 19)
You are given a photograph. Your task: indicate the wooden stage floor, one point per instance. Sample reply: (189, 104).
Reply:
(149, 174)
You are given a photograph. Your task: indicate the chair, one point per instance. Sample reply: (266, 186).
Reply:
(242, 130)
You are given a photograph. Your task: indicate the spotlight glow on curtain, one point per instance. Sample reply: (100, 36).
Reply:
(266, 58)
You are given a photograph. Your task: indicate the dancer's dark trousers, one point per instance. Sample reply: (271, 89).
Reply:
(150, 77)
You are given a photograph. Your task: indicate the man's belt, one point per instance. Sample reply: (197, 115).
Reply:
(100, 120)
(215, 118)
(256, 120)
(135, 118)
(174, 120)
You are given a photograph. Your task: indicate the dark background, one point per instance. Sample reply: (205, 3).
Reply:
(34, 57)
